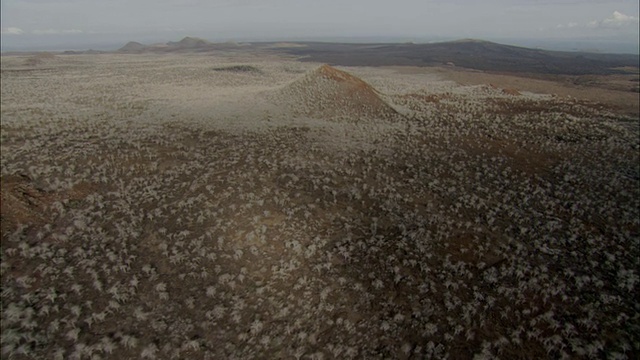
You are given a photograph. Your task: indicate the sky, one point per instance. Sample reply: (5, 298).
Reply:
(597, 25)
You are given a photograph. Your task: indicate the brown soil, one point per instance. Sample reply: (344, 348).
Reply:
(22, 202)
(25, 203)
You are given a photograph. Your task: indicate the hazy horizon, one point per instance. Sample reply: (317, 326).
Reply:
(583, 25)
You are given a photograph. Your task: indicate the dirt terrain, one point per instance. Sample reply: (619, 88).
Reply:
(618, 93)
(239, 205)
(611, 80)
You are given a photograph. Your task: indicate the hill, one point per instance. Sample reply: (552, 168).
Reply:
(132, 47)
(331, 93)
(468, 53)
(185, 45)
(189, 43)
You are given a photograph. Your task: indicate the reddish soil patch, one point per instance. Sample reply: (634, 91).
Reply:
(603, 90)
(617, 93)
(24, 203)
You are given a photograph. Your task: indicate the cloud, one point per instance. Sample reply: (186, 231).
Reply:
(617, 20)
(56, 32)
(12, 31)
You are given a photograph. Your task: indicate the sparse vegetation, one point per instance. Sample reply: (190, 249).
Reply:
(239, 69)
(171, 211)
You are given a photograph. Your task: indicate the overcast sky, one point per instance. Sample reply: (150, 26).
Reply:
(81, 23)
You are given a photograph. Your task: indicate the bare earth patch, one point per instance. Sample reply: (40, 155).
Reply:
(616, 92)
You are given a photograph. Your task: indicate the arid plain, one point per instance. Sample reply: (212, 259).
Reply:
(238, 205)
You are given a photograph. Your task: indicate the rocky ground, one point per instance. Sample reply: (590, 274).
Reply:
(212, 207)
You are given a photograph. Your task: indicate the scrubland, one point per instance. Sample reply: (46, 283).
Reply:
(193, 207)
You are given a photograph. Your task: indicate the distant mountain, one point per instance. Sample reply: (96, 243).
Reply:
(132, 47)
(189, 43)
(186, 44)
(468, 53)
